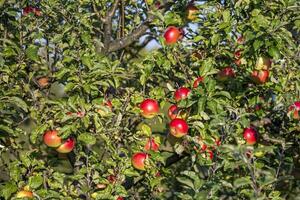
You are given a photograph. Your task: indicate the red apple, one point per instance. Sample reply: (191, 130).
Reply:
(250, 135)
(203, 147)
(218, 142)
(173, 111)
(149, 108)
(211, 154)
(27, 10)
(24, 194)
(172, 35)
(108, 104)
(199, 80)
(138, 160)
(67, 146)
(192, 12)
(43, 82)
(263, 63)
(226, 73)
(257, 107)
(105, 112)
(151, 144)
(157, 174)
(158, 5)
(294, 110)
(80, 114)
(238, 54)
(51, 139)
(260, 77)
(181, 93)
(238, 62)
(111, 178)
(178, 127)
(37, 11)
(120, 198)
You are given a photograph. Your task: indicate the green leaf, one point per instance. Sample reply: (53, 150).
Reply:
(8, 189)
(239, 182)
(35, 181)
(6, 129)
(215, 39)
(32, 52)
(186, 181)
(226, 16)
(19, 102)
(38, 131)
(87, 138)
(274, 52)
(257, 44)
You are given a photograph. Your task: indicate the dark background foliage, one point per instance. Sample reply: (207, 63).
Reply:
(90, 51)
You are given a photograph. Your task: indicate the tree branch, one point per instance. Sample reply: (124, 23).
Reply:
(108, 24)
(135, 34)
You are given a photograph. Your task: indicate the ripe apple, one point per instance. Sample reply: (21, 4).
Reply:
(238, 62)
(37, 12)
(151, 144)
(158, 5)
(263, 63)
(250, 135)
(238, 54)
(198, 80)
(211, 154)
(120, 198)
(181, 93)
(80, 114)
(24, 194)
(172, 35)
(294, 110)
(105, 112)
(108, 103)
(149, 108)
(67, 146)
(112, 178)
(218, 142)
(178, 127)
(175, 112)
(191, 12)
(43, 82)
(226, 73)
(69, 113)
(51, 139)
(260, 77)
(157, 174)
(27, 10)
(203, 147)
(138, 160)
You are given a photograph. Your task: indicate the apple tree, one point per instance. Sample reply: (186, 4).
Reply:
(149, 99)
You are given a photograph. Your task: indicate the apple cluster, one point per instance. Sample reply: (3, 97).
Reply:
(30, 9)
(52, 139)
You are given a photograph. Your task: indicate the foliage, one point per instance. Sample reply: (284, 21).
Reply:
(71, 44)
